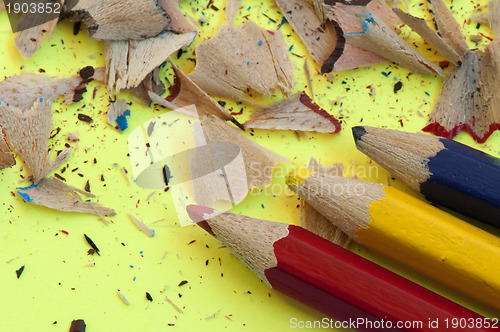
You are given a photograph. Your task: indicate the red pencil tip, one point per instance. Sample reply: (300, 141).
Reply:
(197, 213)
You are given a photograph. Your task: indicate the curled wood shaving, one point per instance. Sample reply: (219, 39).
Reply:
(378, 38)
(119, 19)
(318, 36)
(298, 112)
(28, 132)
(57, 195)
(128, 65)
(237, 59)
(23, 90)
(6, 156)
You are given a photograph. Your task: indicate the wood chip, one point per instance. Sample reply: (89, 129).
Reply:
(178, 22)
(123, 298)
(469, 99)
(419, 25)
(298, 112)
(143, 227)
(6, 156)
(185, 92)
(343, 15)
(28, 132)
(127, 66)
(237, 59)
(23, 90)
(116, 111)
(318, 36)
(57, 195)
(232, 7)
(378, 38)
(448, 27)
(119, 19)
(29, 41)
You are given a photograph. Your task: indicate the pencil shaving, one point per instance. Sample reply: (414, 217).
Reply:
(420, 26)
(118, 19)
(342, 14)
(468, 99)
(29, 41)
(6, 157)
(178, 22)
(28, 132)
(143, 227)
(232, 7)
(116, 112)
(318, 36)
(23, 90)
(448, 27)
(298, 112)
(185, 92)
(55, 194)
(378, 38)
(150, 84)
(241, 58)
(127, 66)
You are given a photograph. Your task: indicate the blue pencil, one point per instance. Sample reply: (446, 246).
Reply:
(445, 172)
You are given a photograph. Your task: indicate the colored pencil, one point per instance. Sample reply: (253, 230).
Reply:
(446, 172)
(326, 276)
(408, 230)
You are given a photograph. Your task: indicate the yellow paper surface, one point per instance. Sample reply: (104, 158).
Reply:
(57, 284)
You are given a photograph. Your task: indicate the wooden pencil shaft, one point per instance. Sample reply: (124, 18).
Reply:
(326, 276)
(446, 172)
(345, 285)
(410, 231)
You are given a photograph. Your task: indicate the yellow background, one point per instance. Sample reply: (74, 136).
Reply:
(57, 286)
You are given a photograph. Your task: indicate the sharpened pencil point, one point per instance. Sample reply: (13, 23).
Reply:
(358, 132)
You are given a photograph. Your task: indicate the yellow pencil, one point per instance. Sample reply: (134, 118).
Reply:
(408, 230)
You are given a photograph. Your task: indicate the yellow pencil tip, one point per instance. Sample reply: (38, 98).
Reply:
(297, 177)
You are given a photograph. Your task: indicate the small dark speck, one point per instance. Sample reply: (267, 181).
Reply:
(148, 297)
(398, 86)
(183, 282)
(19, 272)
(84, 118)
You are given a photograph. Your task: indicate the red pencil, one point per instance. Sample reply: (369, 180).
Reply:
(343, 285)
